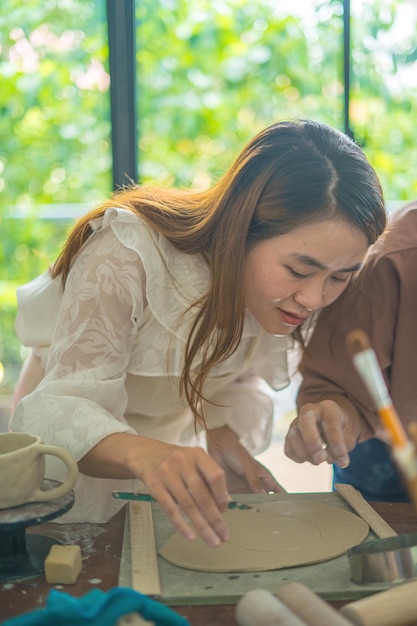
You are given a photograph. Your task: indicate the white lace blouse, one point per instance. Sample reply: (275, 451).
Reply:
(113, 352)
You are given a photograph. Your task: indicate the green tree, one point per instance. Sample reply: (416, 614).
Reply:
(55, 147)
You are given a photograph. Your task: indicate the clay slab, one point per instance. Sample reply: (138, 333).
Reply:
(271, 536)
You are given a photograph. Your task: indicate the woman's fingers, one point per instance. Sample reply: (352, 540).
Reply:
(258, 477)
(268, 481)
(191, 520)
(304, 441)
(321, 432)
(191, 488)
(244, 473)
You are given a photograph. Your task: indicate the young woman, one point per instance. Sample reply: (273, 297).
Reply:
(156, 329)
(337, 420)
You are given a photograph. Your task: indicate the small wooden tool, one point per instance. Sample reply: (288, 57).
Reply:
(365, 510)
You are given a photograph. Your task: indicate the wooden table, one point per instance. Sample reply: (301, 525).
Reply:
(101, 547)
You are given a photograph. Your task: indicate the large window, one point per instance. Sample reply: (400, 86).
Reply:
(55, 156)
(210, 73)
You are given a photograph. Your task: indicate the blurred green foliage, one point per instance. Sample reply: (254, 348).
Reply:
(211, 73)
(55, 147)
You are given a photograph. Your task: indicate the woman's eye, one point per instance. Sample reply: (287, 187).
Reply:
(296, 274)
(338, 279)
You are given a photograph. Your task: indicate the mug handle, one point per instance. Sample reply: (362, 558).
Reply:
(70, 480)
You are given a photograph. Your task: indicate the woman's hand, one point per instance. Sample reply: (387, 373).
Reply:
(185, 481)
(243, 473)
(325, 431)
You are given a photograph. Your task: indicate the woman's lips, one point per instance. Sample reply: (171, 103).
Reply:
(291, 319)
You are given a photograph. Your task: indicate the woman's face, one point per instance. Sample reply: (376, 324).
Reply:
(289, 277)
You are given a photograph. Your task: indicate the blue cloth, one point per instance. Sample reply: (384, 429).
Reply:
(373, 473)
(97, 608)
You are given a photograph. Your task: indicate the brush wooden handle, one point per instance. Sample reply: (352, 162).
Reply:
(309, 607)
(357, 340)
(395, 607)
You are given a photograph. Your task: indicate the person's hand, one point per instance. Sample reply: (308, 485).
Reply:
(244, 474)
(325, 431)
(187, 483)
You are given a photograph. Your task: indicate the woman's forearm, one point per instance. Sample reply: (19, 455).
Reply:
(115, 456)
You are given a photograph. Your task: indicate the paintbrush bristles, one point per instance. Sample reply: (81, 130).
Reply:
(358, 341)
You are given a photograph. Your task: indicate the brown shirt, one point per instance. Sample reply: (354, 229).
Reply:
(382, 301)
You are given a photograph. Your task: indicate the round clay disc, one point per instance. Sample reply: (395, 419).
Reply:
(271, 536)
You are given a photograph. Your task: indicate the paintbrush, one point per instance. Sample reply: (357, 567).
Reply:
(146, 497)
(403, 449)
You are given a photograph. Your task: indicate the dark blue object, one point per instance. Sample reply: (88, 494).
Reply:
(373, 473)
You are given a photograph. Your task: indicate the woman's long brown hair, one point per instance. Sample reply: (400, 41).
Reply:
(290, 174)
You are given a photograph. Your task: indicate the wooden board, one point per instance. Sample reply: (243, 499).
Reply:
(179, 586)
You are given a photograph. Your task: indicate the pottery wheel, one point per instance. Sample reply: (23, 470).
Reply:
(22, 555)
(271, 536)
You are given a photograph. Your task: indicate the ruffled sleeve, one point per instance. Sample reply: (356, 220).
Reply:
(82, 398)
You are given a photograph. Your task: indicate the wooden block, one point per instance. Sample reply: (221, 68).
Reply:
(63, 564)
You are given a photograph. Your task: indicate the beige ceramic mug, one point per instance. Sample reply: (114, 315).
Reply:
(22, 470)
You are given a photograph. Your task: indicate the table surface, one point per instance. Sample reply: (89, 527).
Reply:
(101, 549)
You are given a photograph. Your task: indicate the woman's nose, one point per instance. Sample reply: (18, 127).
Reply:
(311, 297)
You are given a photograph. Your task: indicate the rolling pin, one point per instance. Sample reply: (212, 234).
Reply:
(259, 607)
(395, 607)
(309, 607)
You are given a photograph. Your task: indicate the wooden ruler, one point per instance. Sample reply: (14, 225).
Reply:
(365, 510)
(145, 574)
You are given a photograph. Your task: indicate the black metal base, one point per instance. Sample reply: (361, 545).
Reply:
(22, 555)
(29, 558)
